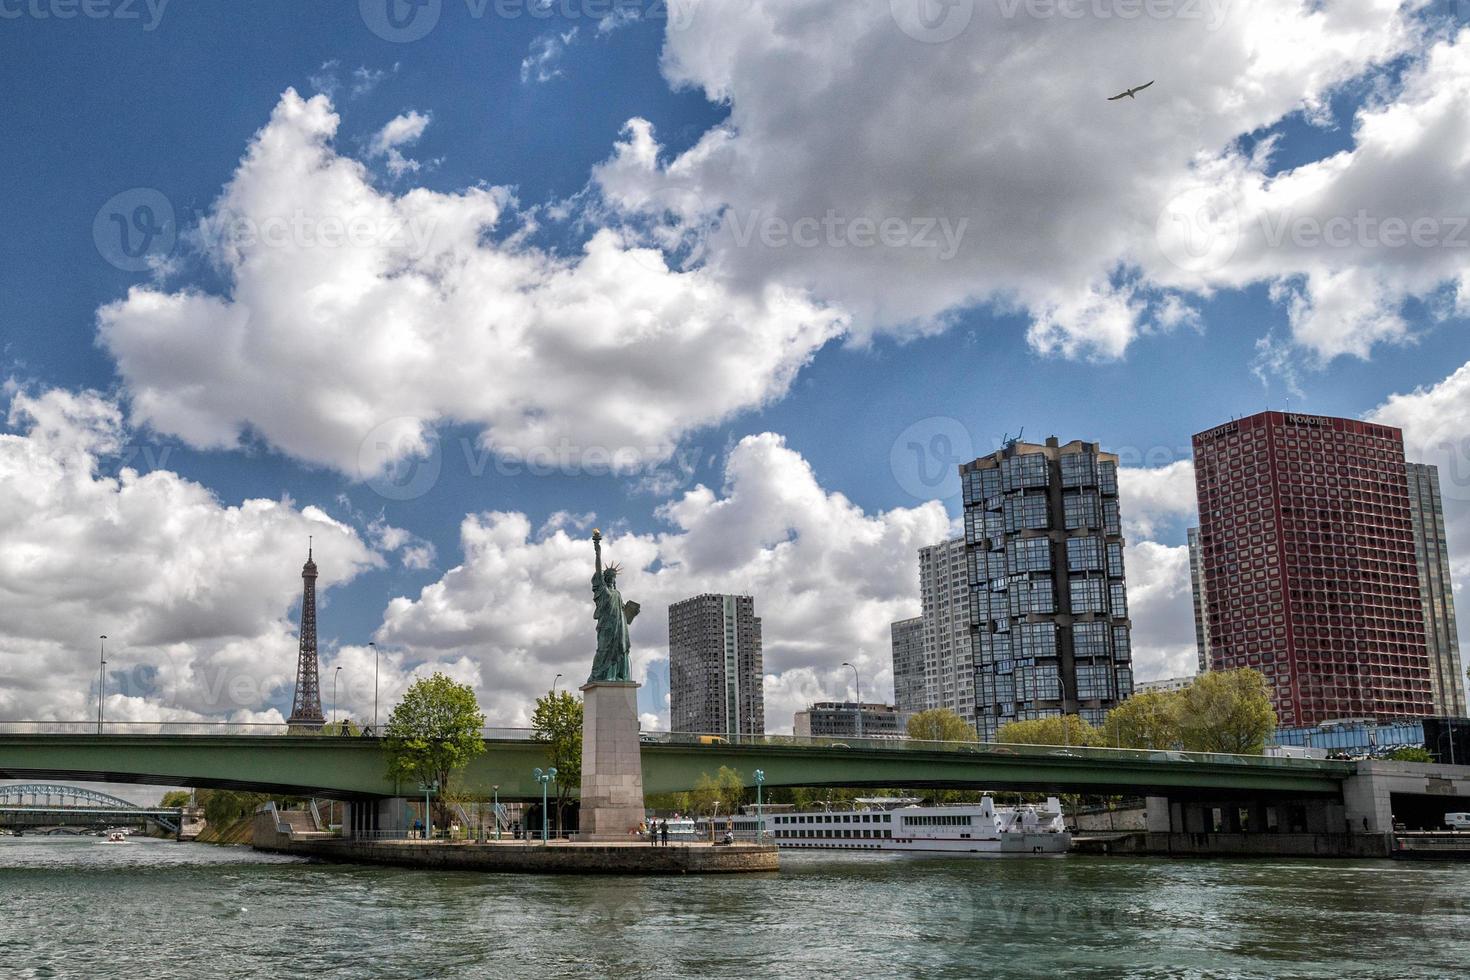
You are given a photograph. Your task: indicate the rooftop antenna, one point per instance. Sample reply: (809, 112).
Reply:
(308, 547)
(1010, 442)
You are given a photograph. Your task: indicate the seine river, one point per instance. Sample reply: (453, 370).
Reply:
(81, 908)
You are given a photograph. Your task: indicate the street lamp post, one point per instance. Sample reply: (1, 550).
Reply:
(714, 819)
(375, 686)
(549, 776)
(1066, 733)
(495, 810)
(858, 684)
(101, 677)
(760, 810)
(335, 674)
(554, 682)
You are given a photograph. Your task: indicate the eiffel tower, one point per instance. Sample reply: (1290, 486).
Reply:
(306, 708)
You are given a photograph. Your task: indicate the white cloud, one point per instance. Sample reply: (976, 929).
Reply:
(541, 63)
(1160, 605)
(401, 131)
(1157, 497)
(193, 594)
(356, 320)
(1085, 214)
(827, 577)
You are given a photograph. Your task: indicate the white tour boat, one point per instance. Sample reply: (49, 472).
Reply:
(877, 825)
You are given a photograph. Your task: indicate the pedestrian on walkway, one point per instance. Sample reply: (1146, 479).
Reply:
(663, 829)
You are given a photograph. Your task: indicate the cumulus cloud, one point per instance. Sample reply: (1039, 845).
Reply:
(828, 579)
(193, 594)
(851, 144)
(356, 320)
(1155, 498)
(1160, 605)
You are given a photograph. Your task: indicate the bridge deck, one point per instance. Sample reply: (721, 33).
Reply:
(355, 767)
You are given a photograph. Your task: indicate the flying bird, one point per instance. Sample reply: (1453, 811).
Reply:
(1130, 94)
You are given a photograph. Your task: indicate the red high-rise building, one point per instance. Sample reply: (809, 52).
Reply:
(1307, 546)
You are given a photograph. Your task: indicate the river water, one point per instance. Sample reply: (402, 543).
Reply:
(82, 908)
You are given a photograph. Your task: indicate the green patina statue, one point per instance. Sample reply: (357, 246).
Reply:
(613, 617)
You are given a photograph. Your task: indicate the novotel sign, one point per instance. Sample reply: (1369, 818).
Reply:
(1317, 421)
(1229, 428)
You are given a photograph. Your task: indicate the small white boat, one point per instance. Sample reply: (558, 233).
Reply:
(115, 837)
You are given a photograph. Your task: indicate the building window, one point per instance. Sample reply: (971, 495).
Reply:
(1080, 510)
(1088, 595)
(1084, 554)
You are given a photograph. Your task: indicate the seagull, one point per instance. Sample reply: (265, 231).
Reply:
(1130, 94)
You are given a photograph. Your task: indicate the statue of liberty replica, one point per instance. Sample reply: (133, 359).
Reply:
(612, 769)
(613, 616)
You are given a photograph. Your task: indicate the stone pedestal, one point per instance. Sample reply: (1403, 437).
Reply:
(612, 769)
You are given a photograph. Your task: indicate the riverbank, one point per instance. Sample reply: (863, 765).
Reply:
(519, 856)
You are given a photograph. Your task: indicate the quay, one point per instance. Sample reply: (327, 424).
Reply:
(277, 833)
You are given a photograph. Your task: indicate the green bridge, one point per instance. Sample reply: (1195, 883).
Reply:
(354, 768)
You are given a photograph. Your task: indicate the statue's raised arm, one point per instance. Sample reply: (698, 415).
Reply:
(612, 618)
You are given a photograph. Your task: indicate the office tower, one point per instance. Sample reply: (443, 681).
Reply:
(949, 675)
(1307, 546)
(715, 668)
(1197, 591)
(838, 719)
(1048, 601)
(1426, 511)
(909, 692)
(306, 705)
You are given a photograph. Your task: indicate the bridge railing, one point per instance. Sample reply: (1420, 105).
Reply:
(203, 728)
(1040, 752)
(715, 741)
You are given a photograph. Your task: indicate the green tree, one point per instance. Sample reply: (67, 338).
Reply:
(1066, 730)
(176, 797)
(940, 725)
(726, 788)
(346, 727)
(557, 721)
(433, 732)
(1145, 721)
(1226, 711)
(1411, 753)
(225, 806)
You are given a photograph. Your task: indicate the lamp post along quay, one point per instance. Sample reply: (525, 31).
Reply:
(544, 778)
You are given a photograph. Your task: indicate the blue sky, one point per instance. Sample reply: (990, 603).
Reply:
(1054, 317)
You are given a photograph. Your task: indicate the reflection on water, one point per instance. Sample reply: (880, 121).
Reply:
(157, 908)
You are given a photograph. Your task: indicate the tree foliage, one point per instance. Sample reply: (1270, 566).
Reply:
(1149, 720)
(1066, 730)
(940, 725)
(725, 788)
(1226, 711)
(1411, 753)
(557, 721)
(433, 732)
(176, 797)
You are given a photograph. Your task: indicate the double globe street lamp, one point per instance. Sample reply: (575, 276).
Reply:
(549, 776)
